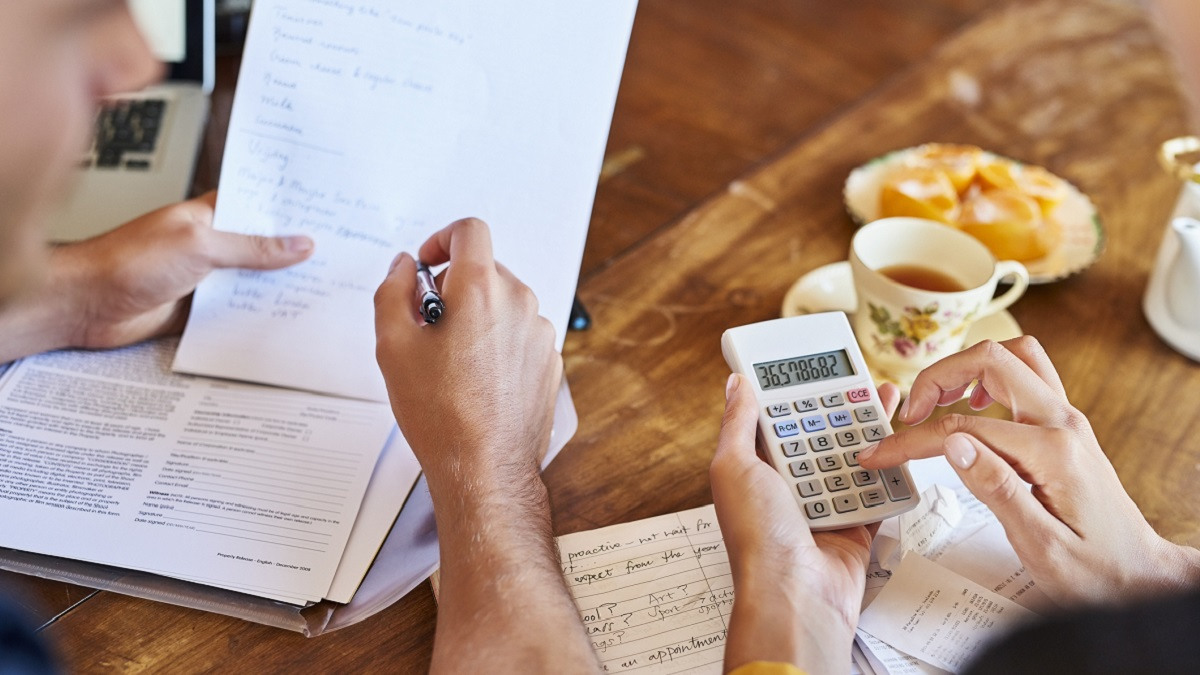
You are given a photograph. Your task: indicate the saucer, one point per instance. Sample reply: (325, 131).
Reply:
(831, 287)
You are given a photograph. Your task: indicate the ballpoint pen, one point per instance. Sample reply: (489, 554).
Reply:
(432, 307)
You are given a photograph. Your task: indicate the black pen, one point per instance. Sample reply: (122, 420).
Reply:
(432, 307)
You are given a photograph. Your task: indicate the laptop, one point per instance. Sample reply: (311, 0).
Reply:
(146, 144)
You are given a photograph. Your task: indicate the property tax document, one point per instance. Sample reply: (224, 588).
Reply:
(370, 125)
(109, 457)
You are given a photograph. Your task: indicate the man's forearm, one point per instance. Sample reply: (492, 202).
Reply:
(504, 606)
(42, 319)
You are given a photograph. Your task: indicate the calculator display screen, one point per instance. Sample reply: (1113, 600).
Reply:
(803, 369)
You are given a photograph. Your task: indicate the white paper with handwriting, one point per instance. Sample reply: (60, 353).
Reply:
(368, 125)
(655, 594)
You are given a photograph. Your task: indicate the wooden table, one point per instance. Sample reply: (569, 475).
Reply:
(735, 127)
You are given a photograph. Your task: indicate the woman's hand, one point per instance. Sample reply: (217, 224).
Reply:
(797, 594)
(1077, 531)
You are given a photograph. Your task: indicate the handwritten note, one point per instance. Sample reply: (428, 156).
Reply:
(655, 595)
(368, 126)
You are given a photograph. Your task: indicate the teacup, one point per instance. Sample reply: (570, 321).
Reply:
(920, 284)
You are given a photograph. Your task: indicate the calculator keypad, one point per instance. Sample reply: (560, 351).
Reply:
(833, 482)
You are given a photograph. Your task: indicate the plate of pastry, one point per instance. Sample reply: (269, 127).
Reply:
(1019, 211)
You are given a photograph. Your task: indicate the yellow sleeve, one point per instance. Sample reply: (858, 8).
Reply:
(766, 668)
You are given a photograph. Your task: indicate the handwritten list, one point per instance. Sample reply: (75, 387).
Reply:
(654, 595)
(370, 125)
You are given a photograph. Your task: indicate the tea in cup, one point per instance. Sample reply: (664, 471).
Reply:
(920, 284)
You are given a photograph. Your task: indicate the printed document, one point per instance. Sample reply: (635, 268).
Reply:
(109, 457)
(370, 125)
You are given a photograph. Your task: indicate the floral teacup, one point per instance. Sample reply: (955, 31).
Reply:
(904, 328)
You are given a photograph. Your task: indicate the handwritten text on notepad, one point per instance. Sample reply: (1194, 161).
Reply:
(654, 595)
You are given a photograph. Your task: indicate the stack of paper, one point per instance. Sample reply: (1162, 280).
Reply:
(109, 457)
(367, 126)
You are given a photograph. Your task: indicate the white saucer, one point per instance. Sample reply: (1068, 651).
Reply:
(831, 287)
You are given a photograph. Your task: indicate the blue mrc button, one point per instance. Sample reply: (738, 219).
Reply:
(813, 423)
(788, 428)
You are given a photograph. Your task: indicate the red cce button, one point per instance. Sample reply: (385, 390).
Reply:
(859, 395)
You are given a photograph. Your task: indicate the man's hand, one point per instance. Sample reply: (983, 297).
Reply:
(797, 593)
(474, 396)
(134, 282)
(1078, 532)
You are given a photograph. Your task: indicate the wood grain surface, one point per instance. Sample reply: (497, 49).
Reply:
(735, 128)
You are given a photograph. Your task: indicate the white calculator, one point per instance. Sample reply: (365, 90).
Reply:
(818, 410)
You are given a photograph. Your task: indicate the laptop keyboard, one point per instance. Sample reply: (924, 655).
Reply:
(127, 132)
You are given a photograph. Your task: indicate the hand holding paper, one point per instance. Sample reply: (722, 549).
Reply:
(135, 282)
(1078, 532)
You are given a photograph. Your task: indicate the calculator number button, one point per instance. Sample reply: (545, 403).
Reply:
(841, 418)
(859, 395)
(813, 423)
(792, 448)
(787, 428)
(802, 468)
(829, 463)
(809, 488)
(897, 487)
(874, 433)
(806, 405)
(863, 478)
(838, 482)
(832, 400)
(778, 409)
(848, 438)
(867, 413)
(845, 503)
(822, 442)
(872, 497)
(851, 457)
(817, 509)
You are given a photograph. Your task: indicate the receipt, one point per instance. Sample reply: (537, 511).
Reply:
(944, 619)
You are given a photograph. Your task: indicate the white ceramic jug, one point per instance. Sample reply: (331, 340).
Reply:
(1172, 300)
(1182, 285)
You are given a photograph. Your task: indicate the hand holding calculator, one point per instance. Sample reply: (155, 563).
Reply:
(818, 408)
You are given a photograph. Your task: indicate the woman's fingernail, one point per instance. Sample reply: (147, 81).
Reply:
(298, 244)
(731, 386)
(960, 451)
(904, 410)
(867, 452)
(395, 261)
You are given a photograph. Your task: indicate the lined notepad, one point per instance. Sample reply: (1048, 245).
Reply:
(655, 595)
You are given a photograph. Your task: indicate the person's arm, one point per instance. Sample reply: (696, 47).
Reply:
(474, 395)
(796, 594)
(1077, 531)
(134, 282)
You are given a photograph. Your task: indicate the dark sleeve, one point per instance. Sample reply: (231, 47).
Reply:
(1162, 636)
(21, 652)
